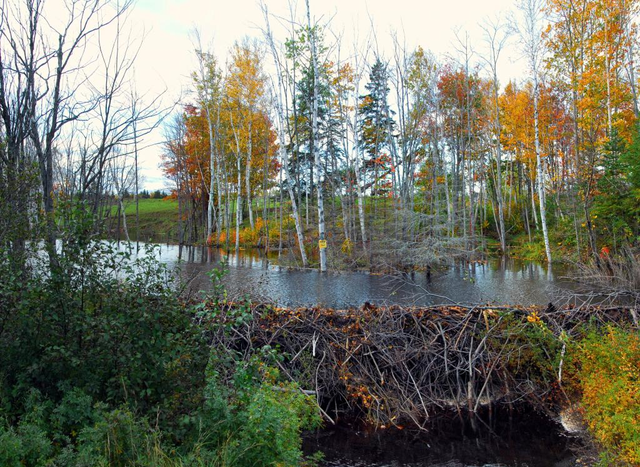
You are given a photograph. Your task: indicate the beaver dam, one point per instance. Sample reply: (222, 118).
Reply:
(395, 366)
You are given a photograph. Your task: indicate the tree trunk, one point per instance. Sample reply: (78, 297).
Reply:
(541, 193)
(238, 204)
(316, 153)
(124, 219)
(248, 173)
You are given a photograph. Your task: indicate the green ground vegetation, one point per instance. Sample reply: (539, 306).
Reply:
(102, 365)
(158, 219)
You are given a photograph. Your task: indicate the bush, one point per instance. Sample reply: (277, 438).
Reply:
(609, 373)
(254, 419)
(101, 364)
(102, 323)
(25, 445)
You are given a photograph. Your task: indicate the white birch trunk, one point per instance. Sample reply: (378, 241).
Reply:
(541, 193)
(495, 40)
(238, 184)
(363, 230)
(248, 172)
(533, 203)
(503, 234)
(124, 218)
(294, 205)
(533, 20)
(211, 205)
(357, 167)
(219, 217)
(316, 155)
(239, 204)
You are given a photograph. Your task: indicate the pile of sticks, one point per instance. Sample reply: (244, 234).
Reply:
(393, 365)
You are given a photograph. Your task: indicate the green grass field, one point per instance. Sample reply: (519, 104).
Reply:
(152, 206)
(158, 219)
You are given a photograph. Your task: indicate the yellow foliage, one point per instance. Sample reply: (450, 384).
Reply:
(347, 246)
(610, 382)
(533, 318)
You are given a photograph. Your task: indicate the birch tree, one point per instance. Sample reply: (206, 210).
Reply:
(280, 101)
(531, 34)
(208, 80)
(360, 64)
(496, 37)
(245, 89)
(315, 142)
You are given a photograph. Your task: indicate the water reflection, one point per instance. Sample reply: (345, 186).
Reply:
(500, 281)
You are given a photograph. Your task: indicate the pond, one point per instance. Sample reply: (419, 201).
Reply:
(498, 281)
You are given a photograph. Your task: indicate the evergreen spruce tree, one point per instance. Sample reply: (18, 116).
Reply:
(376, 118)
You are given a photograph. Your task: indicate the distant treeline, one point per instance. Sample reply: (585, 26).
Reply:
(145, 194)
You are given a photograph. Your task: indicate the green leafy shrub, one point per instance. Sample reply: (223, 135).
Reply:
(25, 445)
(262, 417)
(528, 349)
(101, 364)
(104, 323)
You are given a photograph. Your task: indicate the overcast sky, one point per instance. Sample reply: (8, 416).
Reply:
(166, 58)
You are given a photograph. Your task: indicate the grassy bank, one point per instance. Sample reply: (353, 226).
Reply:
(158, 220)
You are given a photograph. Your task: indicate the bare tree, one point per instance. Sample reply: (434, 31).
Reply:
(121, 178)
(496, 36)
(360, 62)
(533, 47)
(281, 107)
(122, 117)
(65, 81)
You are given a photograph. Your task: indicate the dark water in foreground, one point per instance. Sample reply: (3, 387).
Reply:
(531, 441)
(499, 281)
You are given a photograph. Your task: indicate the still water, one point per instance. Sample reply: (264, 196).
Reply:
(498, 281)
(531, 441)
